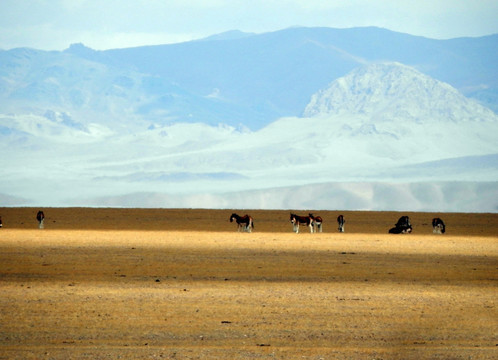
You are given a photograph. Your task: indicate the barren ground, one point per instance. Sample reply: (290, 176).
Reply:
(156, 283)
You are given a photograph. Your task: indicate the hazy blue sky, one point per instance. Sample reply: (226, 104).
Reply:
(103, 24)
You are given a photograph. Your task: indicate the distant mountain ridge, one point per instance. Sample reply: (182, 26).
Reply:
(234, 78)
(201, 123)
(228, 35)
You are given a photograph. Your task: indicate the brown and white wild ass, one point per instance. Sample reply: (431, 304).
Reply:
(40, 216)
(303, 220)
(244, 223)
(317, 221)
(403, 226)
(340, 223)
(438, 226)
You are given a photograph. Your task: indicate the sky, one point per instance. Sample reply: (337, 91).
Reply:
(55, 24)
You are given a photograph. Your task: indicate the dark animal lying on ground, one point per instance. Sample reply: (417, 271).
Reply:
(403, 226)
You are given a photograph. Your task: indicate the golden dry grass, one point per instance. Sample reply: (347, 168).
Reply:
(85, 288)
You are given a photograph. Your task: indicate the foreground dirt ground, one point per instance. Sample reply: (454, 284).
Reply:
(116, 283)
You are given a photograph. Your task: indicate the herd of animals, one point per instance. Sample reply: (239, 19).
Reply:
(314, 223)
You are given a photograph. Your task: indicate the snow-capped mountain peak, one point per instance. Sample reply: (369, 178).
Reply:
(389, 91)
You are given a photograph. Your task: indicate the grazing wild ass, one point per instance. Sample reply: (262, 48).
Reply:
(40, 216)
(244, 223)
(438, 226)
(340, 223)
(303, 220)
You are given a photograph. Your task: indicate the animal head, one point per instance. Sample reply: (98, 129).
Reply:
(233, 217)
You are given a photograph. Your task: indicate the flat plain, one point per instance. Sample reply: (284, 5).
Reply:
(182, 283)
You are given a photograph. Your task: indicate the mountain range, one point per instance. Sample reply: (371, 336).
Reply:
(359, 118)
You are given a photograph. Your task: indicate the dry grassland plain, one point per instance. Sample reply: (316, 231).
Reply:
(183, 284)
